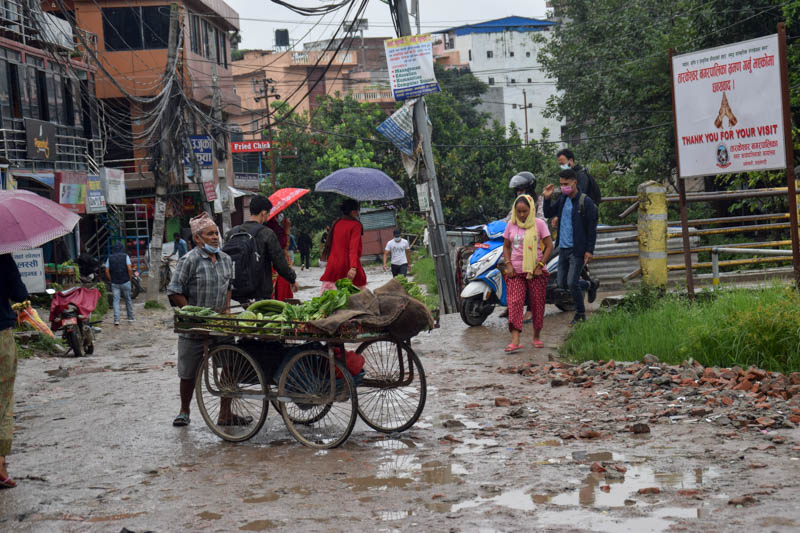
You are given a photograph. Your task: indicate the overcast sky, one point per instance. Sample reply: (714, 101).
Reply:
(435, 15)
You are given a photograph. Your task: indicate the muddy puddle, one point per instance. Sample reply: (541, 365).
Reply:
(602, 502)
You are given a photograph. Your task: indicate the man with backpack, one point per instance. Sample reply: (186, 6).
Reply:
(586, 183)
(255, 251)
(577, 234)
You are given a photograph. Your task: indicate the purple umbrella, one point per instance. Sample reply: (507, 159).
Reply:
(29, 220)
(361, 184)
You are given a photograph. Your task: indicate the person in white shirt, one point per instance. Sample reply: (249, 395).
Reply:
(401, 255)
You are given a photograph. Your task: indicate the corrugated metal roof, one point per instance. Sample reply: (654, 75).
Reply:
(378, 219)
(512, 23)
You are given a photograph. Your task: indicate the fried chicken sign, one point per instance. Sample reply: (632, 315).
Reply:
(728, 108)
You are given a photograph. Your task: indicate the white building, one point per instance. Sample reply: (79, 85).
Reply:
(503, 54)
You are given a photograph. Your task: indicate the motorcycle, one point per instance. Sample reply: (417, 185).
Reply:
(485, 285)
(70, 311)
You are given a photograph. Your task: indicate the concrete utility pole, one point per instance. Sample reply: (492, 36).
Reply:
(525, 105)
(220, 150)
(438, 232)
(266, 96)
(166, 161)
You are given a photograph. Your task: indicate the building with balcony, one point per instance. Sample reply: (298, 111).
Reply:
(132, 49)
(49, 121)
(503, 54)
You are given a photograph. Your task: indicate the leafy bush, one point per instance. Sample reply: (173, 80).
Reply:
(736, 327)
(102, 303)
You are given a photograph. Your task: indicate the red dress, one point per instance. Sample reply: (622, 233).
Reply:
(281, 289)
(345, 253)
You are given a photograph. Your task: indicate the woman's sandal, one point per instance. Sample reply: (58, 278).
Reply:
(513, 348)
(538, 343)
(7, 483)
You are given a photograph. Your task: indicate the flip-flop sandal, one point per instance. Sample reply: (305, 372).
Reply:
(538, 344)
(7, 483)
(513, 348)
(237, 420)
(181, 420)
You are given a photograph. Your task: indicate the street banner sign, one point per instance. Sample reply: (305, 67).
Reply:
(410, 62)
(114, 180)
(95, 197)
(728, 109)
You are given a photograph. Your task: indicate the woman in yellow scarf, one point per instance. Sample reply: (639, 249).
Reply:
(526, 250)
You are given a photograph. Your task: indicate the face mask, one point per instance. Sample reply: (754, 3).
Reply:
(564, 167)
(566, 190)
(397, 239)
(210, 249)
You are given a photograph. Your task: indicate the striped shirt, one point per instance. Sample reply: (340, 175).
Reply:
(203, 282)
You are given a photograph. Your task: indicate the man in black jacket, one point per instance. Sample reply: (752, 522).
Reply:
(267, 246)
(577, 234)
(119, 272)
(11, 288)
(304, 245)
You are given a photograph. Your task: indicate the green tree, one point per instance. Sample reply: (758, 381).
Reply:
(611, 63)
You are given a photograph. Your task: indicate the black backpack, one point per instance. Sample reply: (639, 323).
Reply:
(248, 263)
(592, 189)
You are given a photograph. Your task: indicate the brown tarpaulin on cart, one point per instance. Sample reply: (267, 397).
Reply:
(389, 308)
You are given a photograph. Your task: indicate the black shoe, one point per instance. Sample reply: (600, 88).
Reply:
(593, 286)
(577, 318)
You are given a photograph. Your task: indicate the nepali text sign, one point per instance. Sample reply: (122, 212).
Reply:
(95, 197)
(249, 146)
(201, 146)
(246, 180)
(209, 185)
(410, 62)
(728, 108)
(31, 267)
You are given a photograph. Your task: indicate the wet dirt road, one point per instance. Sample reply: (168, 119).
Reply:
(95, 450)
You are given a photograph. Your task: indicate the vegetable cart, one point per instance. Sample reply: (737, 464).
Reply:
(246, 367)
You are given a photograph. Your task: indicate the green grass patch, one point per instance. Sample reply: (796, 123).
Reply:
(424, 274)
(733, 327)
(152, 304)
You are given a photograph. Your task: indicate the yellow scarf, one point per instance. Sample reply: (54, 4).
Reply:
(530, 244)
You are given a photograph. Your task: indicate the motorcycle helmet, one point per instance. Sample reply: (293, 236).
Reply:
(525, 181)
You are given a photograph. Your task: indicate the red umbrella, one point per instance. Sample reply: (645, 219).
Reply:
(283, 198)
(29, 220)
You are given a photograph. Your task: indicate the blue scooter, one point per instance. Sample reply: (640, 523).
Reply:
(485, 286)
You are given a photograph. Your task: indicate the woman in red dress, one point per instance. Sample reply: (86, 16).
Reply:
(281, 289)
(343, 249)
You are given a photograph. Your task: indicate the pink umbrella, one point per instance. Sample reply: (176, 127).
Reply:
(283, 198)
(29, 220)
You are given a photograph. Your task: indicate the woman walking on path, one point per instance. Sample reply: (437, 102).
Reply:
(343, 249)
(526, 250)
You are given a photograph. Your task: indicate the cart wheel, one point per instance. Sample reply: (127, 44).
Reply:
(393, 391)
(229, 374)
(304, 389)
(302, 417)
